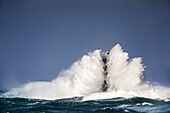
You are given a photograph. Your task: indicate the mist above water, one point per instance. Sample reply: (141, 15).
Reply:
(86, 77)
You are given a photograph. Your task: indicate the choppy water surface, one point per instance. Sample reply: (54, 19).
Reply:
(76, 105)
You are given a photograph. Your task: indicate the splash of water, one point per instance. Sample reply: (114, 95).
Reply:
(86, 76)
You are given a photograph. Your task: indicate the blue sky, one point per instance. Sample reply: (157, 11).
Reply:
(39, 38)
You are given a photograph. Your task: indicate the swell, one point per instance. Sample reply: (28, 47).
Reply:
(76, 105)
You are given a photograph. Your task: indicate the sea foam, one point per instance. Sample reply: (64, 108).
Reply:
(86, 76)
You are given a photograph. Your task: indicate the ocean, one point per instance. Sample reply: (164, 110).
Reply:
(76, 105)
(98, 82)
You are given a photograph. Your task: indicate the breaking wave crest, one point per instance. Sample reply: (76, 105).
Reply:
(86, 78)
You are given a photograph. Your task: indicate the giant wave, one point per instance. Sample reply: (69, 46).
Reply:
(86, 76)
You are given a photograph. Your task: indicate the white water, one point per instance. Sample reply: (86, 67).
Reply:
(86, 76)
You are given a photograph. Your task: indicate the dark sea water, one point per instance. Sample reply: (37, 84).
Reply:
(76, 105)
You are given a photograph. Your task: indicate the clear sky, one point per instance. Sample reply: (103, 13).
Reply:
(39, 38)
